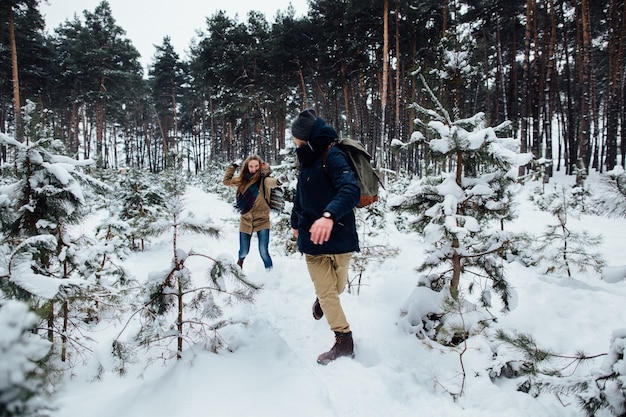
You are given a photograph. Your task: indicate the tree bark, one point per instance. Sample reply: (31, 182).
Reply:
(385, 81)
(17, 107)
(585, 80)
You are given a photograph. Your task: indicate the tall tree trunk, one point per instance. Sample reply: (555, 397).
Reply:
(175, 117)
(617, 20)
(303, 95)
(569, 126)
(385, 82)
(100, 120)
(537, 86)
(585, 80)
(17, 107)
(346, 98)
(548, 97)
(500, 80)
(399, 131)
(525, 90)
(66, 318)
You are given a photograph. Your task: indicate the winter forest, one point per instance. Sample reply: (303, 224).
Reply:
(496, 127)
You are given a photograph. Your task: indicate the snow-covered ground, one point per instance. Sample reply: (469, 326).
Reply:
(271, 369)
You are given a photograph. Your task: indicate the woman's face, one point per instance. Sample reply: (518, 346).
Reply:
(253, 166)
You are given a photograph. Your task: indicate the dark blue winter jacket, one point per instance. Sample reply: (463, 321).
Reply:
(334, 189)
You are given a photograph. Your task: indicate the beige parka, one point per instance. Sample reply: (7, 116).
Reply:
(258, 218)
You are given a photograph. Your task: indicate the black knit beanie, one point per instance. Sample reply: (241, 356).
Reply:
(302, 127)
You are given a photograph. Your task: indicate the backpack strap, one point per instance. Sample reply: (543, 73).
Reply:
(324, 155)
(263, 190)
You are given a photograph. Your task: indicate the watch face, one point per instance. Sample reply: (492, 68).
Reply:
(327, 215)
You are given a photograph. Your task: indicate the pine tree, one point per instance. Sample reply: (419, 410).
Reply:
(458, 210)
(609, 198)
(22, 378)
(176, 309)
(461, 210)
(139, 201)
(166, 81)
(560, 248)
(543, 370)
(45, 263)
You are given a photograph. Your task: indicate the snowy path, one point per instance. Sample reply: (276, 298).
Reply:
(273, 369)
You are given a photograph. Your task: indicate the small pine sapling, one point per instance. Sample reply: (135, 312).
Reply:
(539, 369)
(560, 248)
(176, 311)
(609, 198)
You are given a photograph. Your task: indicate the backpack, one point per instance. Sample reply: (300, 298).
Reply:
(276, 200)
(359, 160)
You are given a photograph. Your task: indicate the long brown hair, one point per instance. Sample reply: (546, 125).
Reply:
(242, 180)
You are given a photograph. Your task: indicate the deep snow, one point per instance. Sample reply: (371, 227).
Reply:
(272, 369)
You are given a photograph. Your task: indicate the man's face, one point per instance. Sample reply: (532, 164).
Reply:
(299, 142)
(253, 166)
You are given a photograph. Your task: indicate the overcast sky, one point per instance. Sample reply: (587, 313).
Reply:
(146, 22)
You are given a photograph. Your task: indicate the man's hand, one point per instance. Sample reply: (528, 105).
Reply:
(320, 230)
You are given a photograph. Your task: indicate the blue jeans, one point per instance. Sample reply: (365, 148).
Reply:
(264, 241)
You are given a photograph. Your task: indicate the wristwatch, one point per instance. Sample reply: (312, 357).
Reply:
(328, 215)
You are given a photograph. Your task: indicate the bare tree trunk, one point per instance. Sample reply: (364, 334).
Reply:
(548, 99)
(585, 80)
(179, 321)
(346, 99)
(17, 107)
(66, 313)
(500, 80)
(51, 322)
(303, 95)
(569, 126)
(175, 116)
(617, 20)
(525, 106)
(398, 71)
(86, 134)
(385, 82)
(100, 119)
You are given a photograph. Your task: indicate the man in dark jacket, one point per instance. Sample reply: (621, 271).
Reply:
(323, 222)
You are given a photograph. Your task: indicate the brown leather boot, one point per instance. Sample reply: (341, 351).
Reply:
(344, 346)
(318, 313)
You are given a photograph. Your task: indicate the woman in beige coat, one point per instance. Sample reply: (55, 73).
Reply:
(253, 190)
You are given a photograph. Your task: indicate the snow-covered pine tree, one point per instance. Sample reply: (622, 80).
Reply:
(560, 248)
(176, 309)
(606, 389)
(461, 211)
(139, 201)
(609, 197)
(23, 380)
(42, 200)
(599, 390)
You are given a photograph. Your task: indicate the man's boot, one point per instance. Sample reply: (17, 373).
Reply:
(344, 346)
(318, 313)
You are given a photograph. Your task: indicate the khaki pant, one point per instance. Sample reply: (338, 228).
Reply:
(329, 274)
